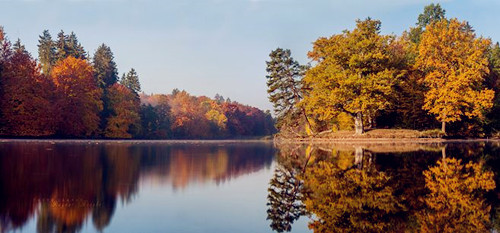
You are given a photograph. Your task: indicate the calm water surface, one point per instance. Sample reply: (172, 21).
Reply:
(85, 186)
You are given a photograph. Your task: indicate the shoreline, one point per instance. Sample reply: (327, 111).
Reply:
(138, 141)
(277, 140)
(384, 140)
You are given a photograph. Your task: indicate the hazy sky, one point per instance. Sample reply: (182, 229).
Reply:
(217, 46)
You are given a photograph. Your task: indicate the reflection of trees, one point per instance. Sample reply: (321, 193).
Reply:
(351, 200)
(456, 202)
(378, 188)
(285, 190)
(65, 185)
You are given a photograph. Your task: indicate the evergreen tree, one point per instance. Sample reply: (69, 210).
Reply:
(432, 13)
(68, 45)
(219, 98)
(106, 73)
(61, 51)
(19, 47)
(131, 81)
(46, 52)
(74, 48)
(284, 86)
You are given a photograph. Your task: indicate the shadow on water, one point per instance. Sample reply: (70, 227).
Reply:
(383, 187)
(65, 185)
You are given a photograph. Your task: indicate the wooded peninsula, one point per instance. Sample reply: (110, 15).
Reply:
(436, 79)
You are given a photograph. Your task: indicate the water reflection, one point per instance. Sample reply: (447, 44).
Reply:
(65, 185)
(388, 187)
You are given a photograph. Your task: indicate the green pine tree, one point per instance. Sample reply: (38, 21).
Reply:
(61, 50)
(284, 87)
(432, 13)
(131, 81)
(106, 73)
(46, 51)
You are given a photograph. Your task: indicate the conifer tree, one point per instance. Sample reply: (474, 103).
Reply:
(284, 87)
(74, 47)
(68, 45)
(131, 81)
(61, 50)
(46, 52)
(106, 73)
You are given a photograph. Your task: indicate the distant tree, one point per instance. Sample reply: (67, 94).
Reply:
(124, 120)
(175, 91)
(25, 102)
(106, 73)
(219, 98)
(19, 47)
(79, 98)
(355, 74)
(68, 45)
(131, 81)
(284, 88)
(61, 47)
(155, 121)
(455, 63)
(74, 47)
(46, 52)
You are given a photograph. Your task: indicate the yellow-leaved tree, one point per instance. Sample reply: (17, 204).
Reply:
(355, 73)
(455, 63)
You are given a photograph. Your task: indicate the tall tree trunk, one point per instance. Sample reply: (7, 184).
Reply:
(358, 123)
(443, 126)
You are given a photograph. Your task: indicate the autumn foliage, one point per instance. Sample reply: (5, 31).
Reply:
(437, 72)
(26, 106)
(124, 105)
(72, 97)
(455, 82)
(78, 97)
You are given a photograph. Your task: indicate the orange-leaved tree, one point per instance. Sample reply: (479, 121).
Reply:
(25, 98)
(79, 98)
(124, 112)
(455, 63)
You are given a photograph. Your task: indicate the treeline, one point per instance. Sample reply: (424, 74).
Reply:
(68, 94)
(438, 74)
(180, 115)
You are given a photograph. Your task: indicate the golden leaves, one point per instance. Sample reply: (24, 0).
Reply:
(455, 63)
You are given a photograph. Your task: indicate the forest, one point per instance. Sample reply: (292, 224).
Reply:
(66, 93)
(437, 77)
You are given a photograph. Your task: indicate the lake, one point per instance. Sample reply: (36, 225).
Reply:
(233, 186)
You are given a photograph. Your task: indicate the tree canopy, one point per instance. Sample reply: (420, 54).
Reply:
(455, 64)
(355, 74)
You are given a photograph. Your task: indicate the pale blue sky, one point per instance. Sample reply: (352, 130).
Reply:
(217, 46)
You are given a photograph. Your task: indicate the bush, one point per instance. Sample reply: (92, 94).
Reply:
(433, 133)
